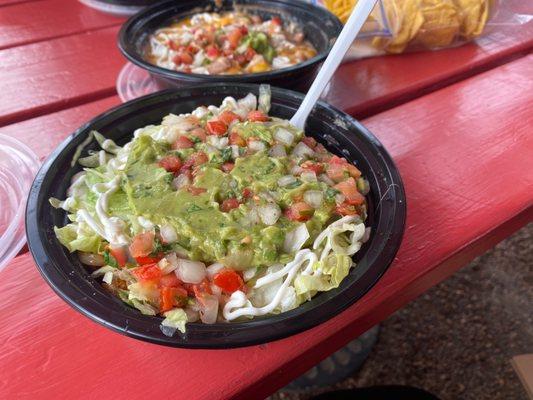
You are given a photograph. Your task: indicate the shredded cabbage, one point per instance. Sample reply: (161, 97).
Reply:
(175, 319)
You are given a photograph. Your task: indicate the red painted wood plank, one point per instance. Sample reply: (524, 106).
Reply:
(56, 126)
(44, 77)
(366, 87)
(26, 23)
(465, 157)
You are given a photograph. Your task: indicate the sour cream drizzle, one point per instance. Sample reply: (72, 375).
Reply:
(238, 305)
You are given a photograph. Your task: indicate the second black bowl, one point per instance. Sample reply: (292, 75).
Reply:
(320, 27)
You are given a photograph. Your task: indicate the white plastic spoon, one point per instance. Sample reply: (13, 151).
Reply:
(348, 34)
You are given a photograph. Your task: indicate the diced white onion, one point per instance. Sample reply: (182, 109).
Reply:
(278, 150)
(366, 235)
(308, 176)
(192, 315)
(284, 136)
(168, 264)
(108, 277)
(314, 198)
(339, 198)
(286, 180)
(256, 145)
(234, 151)
(218, 142)
(326, 179)
(181, 181)
(191, 271)
(209, 309)
(94, 260)
(296, 169)
(295, 239)
(213, 269)
(301, 149)
(168, 233)
(216, 290)
(249, 274)
(269, 213)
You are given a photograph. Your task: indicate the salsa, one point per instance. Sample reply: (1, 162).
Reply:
(217, 215)
(228, 43)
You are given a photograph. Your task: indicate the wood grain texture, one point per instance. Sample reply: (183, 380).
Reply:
(365, 87)
(34, 22)
(56, 126)
(41, 78)
(465, 157)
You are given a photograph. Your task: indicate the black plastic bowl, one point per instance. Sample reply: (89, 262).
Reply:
(320, 26)
(340, 133)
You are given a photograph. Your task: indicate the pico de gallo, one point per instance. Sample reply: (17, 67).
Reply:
(223, 214)
(228, 43)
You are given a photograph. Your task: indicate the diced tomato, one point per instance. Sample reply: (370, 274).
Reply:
(257, 116)
(336, 172)
(247, 193)
(276, 21)
(345, 209)
(240, 58)
(234, 38)
(186, 58)
(120, 255)
(228, 280)
(228, 117)
(199, 158)
(312, 166)
(148, 273)
(202, 289)
(182, 142)
(235, 138)
(199, 133)
(244, 29)
(309, 141)
(196, 191)
(192, 49)
(171, 297)
(169, 280)
(353, 171)
(142, 244)
(227, 167)
(229, 204)
(249, 54)
(147, 260)
(212, 52)
(349, 189)
(216, 127)
(300, 211)
(175, 46)
(170, 163)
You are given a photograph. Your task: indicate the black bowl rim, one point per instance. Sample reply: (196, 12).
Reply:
(327, 311)
(128, 49)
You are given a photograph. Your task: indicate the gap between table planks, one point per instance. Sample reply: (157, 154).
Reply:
(83, 67)
(69, 71)
(464, 154)
(47, 20)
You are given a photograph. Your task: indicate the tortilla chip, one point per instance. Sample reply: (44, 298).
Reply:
(408, 18)
(441, 23)
(341, 8)
(473, 16)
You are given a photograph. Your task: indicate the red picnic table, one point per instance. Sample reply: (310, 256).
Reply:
(457, 123)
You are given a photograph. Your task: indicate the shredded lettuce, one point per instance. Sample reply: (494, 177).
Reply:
(73, 241)
(174, 319)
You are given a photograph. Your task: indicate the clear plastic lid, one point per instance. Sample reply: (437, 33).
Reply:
(18, 166)
(133, 82)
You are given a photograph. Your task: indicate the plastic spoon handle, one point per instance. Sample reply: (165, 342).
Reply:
(348, 34)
